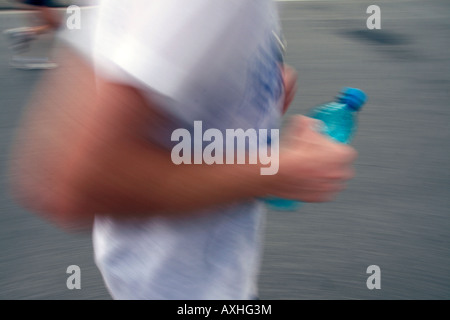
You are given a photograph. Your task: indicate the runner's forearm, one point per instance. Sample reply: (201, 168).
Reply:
(140, 180)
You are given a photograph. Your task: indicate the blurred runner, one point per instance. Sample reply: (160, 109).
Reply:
(96, 145)
(20, 38)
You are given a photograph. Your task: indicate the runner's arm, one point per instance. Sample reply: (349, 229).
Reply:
(82, 151)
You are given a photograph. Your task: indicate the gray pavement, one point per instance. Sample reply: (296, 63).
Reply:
(394, 214)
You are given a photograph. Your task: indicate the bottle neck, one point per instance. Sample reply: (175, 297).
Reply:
(346, 106)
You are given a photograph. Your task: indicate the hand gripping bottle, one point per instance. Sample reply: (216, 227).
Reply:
(340, 123)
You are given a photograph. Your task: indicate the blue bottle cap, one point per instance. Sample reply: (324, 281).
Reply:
(354, 98)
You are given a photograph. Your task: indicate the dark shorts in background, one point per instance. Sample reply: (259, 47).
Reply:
(42, 3)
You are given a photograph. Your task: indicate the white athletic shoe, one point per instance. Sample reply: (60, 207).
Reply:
(29, 63)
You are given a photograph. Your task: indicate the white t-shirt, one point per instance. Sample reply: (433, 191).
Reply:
(213, 61)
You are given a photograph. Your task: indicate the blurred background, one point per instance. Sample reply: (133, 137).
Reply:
(12, 4)
(396, 212)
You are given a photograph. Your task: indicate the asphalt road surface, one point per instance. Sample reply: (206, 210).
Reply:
(395, 214)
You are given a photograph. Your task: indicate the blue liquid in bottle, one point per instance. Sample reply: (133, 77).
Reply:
(340, 123)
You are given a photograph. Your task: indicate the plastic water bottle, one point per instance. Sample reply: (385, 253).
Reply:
(340, 123)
